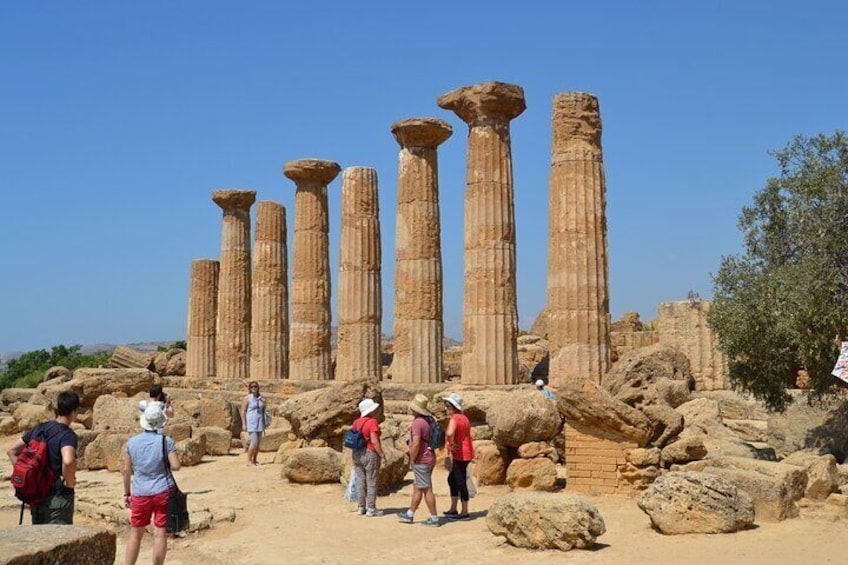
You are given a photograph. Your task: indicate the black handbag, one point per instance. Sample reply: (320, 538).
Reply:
(177, 500)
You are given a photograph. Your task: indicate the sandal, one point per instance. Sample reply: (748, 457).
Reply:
(450, 513)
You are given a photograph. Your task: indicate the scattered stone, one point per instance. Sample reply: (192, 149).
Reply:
(8, 425)
(684, 450)
(217, 439)
(116, 414)
(535, 449)
(642, 368)
(192, 450)
(106, 451)
(639, 478)
(491, 463)
(51, 544)
(90, 384)
(696, 503)
(822, 477)
(128, 358)
(57, 372)
(286, 448)
(178, 430)
(271, 440)
(521, 417)
(545, 521)
(210, 412)
(644, 457)
(312, 465)
(28, 415)
(534, 474)
(586, 403)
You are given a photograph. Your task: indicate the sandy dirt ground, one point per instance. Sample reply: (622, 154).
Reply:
(281, 523)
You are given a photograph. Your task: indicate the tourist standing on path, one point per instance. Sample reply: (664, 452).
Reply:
(58, 507)
(367, 462)
(540, 386)
(253, 421)
(144, 463)
(422, 459)
(461, 453)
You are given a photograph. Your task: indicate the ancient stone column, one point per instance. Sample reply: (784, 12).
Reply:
(418, 325)
(578, 288)
(202, 318)
(269, 338)
(232, 345)
(309, 338)
(490, 312)
(360, 296)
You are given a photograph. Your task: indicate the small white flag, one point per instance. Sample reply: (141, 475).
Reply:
(841, 369)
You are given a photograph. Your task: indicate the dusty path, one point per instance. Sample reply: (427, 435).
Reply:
(281, 523)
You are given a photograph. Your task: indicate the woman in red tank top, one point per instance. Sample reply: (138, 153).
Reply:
(461, 453)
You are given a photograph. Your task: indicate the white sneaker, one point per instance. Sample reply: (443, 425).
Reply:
(372, 512)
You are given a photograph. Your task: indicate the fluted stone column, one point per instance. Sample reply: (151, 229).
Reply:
(232, 346)
(578, 288)
(418, 323)
(202, 318)
(490, 312)
(309, 337)
(269, 338)
(360, 296)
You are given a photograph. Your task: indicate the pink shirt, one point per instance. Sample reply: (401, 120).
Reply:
(421, 428)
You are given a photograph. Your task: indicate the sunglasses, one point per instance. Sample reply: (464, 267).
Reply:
(254, 386)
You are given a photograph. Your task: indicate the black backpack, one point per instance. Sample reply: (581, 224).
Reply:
(437, 434)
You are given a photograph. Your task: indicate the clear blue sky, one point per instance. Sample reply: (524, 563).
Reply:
(118, 119)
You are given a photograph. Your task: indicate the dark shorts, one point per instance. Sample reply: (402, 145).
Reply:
(57, 509)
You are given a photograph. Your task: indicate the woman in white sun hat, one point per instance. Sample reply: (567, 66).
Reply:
(461, 453)
(367, 461)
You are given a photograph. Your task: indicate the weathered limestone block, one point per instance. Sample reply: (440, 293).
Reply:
(418, 314)
(8, 426)
(684, 450)
(287, 447)
(84, 439)
(116, 414)
(90, 384)
(232, 340)
(202, 318)
(106, 451)
(638, 477)
(490, 320)
(328, 412)
(535, 449)
(215, 412)
(684, 325)
(178, 429)
(52, 545)
(545, 521)
(28, 415)
(11, 398)
(270, 441)
(578, 316)
(774, 486)
(176, 366)
(312, 465)
(269, 340)
(521, 417)
(360, 291)
(822, 476)
(643, 368)
(57, 373)
(309, 347)
(491, 464)
(534, 474)
(128, 358)
(586, 403)
(642, 457)
(192, 450)
(475, 403)
(696, 503)
(217, 439)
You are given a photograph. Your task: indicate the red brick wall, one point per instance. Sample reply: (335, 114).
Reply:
(592, 461)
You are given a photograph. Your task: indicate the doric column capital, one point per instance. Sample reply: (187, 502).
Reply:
(427, 133)
(485, 103)
(311, 171)
(230, 199)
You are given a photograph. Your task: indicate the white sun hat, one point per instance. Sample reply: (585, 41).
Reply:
(154, 418)
(367, 406)
(455, 399)
(540, 382)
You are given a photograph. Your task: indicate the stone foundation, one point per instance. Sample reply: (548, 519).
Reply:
(593, 462)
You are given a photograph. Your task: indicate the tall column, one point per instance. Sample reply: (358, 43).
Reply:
(269, 338)
(232, 346)
(309, 338)
(490, 312)
(418, 325)
(202, 314)
(578, 288)
(360, 296)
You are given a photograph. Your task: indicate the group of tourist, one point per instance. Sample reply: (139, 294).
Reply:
(422, 457)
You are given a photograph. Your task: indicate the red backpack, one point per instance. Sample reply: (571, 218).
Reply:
(32, 475)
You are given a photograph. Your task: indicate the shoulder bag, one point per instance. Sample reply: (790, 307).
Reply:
(177, 499)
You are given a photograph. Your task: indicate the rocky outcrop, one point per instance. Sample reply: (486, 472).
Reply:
(534, 474)
(49, 545)
(593, 407)
(312, 465)
(545, 521)
(522, 417)
(696, 503)
(328, 412)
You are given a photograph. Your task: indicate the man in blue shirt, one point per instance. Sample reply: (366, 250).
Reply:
(540, 386)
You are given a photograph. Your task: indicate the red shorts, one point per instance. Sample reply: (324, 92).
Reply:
(141, 508)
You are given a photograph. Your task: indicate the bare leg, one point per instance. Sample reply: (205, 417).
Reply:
(454, 502)
(160, 545)
(464, 507)
(416, 499)
(133, 545)
(430, 501)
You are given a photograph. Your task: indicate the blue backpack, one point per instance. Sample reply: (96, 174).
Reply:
(354, 439)
(437, 434)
